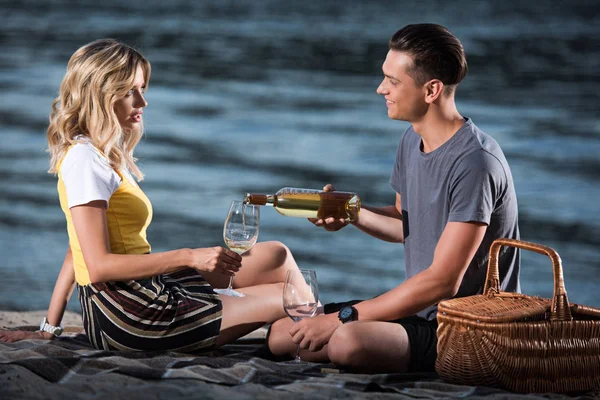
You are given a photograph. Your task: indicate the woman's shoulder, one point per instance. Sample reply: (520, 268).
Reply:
(84, 153)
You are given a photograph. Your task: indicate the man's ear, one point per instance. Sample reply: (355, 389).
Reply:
(433, 90)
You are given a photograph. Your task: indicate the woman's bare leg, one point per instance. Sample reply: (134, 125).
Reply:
(261, 279)
(242, 315)
(266, 262)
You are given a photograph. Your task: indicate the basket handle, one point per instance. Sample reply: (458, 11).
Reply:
(560, 310)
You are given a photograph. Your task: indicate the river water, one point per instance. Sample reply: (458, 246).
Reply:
(258, 95)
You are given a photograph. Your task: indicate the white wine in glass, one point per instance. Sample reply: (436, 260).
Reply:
(300, 297)
(240, 233)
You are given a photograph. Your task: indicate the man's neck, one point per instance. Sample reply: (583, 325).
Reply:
(437, 126)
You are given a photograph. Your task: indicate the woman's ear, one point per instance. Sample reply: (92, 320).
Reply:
(433, 90)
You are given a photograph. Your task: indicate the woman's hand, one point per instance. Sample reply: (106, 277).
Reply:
(15, 336)
(216, 259)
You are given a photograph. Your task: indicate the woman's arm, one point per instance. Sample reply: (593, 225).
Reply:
(63, 289)
(92, 232)
(65, 283)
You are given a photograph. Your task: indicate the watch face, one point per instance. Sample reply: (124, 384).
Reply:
(345, 313)
(55, 330)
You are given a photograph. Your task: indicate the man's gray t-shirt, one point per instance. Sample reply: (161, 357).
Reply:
(467, 179)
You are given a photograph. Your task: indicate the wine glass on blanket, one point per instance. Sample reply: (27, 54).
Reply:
(300, 297)
(240, 233)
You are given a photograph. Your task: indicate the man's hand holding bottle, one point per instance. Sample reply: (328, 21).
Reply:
(329, 224)
(328, 208)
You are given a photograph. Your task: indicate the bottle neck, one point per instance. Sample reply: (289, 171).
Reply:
(260, 199)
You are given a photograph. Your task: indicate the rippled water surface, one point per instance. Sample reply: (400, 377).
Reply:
(257, 95)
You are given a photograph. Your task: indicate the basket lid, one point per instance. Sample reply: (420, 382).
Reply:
(498, 307)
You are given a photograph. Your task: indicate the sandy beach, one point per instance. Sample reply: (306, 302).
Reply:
(32, 319)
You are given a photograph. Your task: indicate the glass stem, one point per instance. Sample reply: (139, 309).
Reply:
(230, 283)
(297, 359)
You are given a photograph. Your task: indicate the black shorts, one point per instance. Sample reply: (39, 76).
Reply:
(421, 333)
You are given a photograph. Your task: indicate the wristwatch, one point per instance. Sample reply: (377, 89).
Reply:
(46, 327)
(347, 314)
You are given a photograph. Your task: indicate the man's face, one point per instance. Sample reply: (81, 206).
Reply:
(404, 99)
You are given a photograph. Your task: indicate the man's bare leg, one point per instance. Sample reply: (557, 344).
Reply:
(281, 344)
(370, 347)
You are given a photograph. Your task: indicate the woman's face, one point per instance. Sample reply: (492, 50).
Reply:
(129, 108)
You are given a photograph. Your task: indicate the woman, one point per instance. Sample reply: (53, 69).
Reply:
(133, 299)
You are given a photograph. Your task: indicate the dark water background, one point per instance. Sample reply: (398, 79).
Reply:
(257, 95)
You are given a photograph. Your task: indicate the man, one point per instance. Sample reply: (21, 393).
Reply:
(454, 196)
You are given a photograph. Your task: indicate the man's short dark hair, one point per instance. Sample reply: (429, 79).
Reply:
(436, 52)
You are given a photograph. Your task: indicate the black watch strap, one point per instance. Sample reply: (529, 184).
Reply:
(347, 314)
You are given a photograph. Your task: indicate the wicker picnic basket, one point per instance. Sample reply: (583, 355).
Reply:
(518, 342)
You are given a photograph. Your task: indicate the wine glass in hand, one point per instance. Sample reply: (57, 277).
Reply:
(240, 233)
(300, 297)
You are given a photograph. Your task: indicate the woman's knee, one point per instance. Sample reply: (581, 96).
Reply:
(279, 251)
(346, 348)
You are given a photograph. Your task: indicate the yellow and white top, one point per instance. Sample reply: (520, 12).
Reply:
(85, 175)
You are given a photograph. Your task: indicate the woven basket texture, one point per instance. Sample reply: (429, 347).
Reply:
(522, 343)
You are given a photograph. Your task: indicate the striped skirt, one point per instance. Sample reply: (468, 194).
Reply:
(176, 312)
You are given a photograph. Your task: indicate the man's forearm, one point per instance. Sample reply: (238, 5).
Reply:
(453, 254)
(384, 223)
(413, 295)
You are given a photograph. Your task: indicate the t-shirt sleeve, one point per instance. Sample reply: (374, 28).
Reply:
(475, 187)
(397, 178)
(87, 176)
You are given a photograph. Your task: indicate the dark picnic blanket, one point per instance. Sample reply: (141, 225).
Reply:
(70, 368)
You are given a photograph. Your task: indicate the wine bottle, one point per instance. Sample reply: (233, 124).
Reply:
(309, 203)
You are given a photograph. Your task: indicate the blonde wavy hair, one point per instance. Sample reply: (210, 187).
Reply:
(98, 74)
